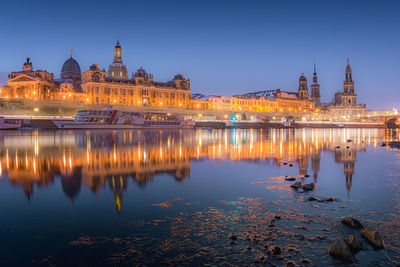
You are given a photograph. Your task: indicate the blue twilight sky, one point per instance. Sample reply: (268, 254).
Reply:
(224, 47)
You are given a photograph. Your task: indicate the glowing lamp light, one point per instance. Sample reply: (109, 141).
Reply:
(36, 109)
(87, 99)
(138, 102)
(69, 95)
(233, 118)
(226, 116)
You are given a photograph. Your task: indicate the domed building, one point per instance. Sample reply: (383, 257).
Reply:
(141, 73)
(71, 77)
(117, 71)
(71, 70)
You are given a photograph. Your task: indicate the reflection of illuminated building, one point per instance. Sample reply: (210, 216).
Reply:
(112, 158)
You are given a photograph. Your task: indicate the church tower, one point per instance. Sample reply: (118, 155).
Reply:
(348, 83)
(117, 71)
(303, 90)
(348, 97)
(315, 89)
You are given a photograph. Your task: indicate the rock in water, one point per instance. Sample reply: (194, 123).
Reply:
(374, 238)
(296, 185)
(339, 249)
(290, 179)
(354, 244)
(312, 199)
(352, 222)
(308, 187)
(233, 237)
(275, 250)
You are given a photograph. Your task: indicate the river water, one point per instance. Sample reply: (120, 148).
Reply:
(175, 197)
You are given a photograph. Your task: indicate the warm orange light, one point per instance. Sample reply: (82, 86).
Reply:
(87, 99)
(36, 109)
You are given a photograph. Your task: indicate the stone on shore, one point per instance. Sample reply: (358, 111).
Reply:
(354, 244)
(312, 199)
(351, 222)
(374, 238)
(296, 185)
(308, 187)
(339, 249)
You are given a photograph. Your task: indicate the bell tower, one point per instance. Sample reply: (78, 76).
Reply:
(348, 82)
(349, 98)
(315, 89)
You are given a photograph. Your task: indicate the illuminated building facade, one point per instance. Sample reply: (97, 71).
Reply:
(29, 83)
(115, 87)
(275, 100)
(345, 107)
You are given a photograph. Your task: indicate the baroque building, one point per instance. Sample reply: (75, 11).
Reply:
(275, 100)
(115, 87)
(344, 106)
(29, 83)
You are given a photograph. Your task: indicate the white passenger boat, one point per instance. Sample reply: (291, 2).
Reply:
(9, 124)
(118, 119)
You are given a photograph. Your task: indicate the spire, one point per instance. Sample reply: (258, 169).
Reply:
(71, 52)
(315, 69)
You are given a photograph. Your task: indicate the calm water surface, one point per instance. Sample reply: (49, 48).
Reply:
(174, 197)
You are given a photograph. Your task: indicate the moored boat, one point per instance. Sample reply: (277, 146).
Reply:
(9, 124)
(118, 119)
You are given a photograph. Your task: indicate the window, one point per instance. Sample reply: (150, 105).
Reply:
(123, 91)
(183, 96)
(108, 100)
(107, 91)
(166, 95)
(116, 91)
(172, 95)
(96, 89)
(97, 100)
(145, 92)
(130, 91)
